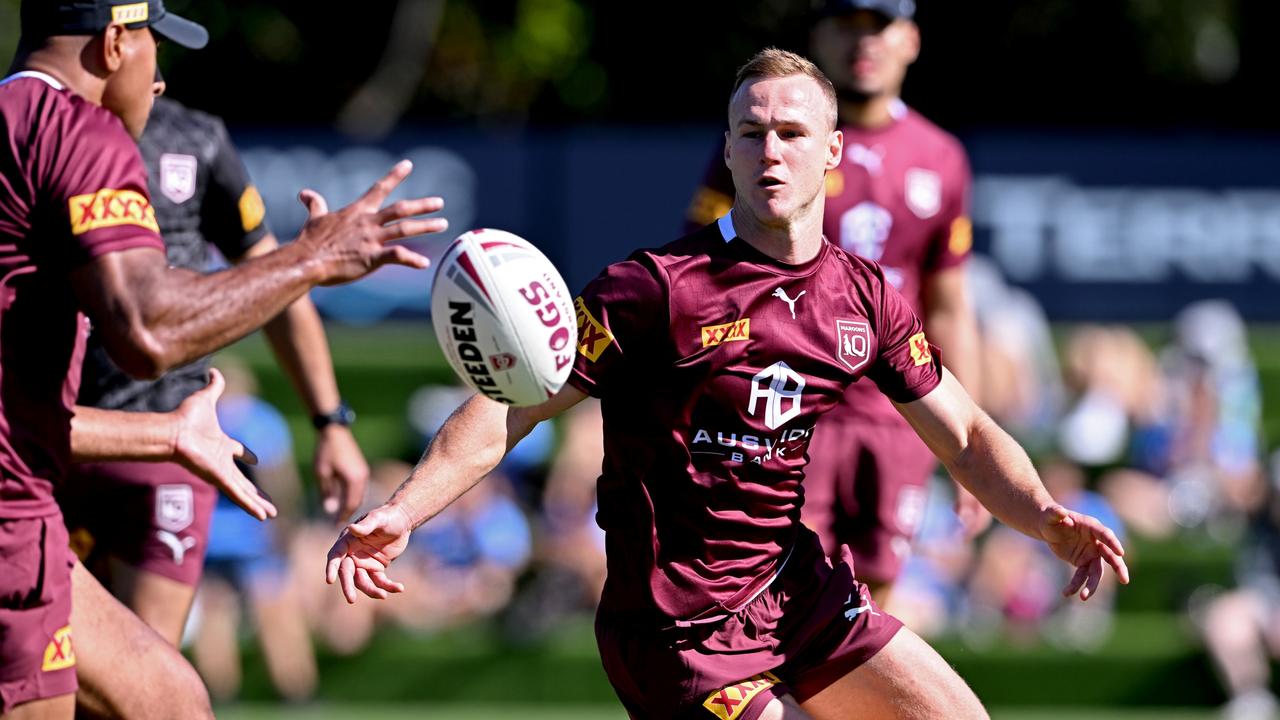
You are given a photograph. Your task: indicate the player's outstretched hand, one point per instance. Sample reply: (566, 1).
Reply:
(1085, 543)
(364, 550)
(202, 447)
(353, 242)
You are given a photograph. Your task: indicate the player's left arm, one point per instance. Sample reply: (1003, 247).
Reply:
(234, 218)
(991, 465)
(189, 436)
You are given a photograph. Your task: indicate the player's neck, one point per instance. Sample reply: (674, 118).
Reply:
(871, 114)
(54, 62)
(794, 243)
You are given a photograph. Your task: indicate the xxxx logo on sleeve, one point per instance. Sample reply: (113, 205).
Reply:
(729, 702)
(593, 337)
(59, 655)
(920, 349)
(737, 330)
(109, 208)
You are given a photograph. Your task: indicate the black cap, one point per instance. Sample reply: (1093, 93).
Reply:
(43, 18)
(890, 8)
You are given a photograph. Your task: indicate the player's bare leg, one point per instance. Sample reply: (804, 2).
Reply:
(161, 602)
(216, 648)
(286, 645)
(906, 680)
(125, 669)
(54, 708)
(784, 708)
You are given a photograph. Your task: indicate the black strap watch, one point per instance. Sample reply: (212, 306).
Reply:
(342, 415)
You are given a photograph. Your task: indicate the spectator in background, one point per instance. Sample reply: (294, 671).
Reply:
(1241, 627)
(245, 560)
(570, 553)
(1194, 456)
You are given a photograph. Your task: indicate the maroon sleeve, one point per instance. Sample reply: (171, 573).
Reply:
(952, 238)
(98, 188)
(908, 366)
(714, 196)
(621, 315)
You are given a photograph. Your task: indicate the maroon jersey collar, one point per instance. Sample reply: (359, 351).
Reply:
(34, 75)
(747, 253)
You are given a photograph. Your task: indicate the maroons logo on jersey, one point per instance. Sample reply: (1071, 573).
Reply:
(924, 192)
(109, 207)
(178, 177)
(853, 343)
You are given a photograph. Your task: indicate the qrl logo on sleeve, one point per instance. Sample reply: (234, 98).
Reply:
(920, 349)
(109, 208)
(252, 209)
(593, 337)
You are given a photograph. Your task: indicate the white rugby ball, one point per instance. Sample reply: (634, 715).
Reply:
(504, 317)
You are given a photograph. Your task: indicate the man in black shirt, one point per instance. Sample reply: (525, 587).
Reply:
(144, 526)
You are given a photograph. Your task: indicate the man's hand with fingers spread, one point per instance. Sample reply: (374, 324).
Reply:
(200, 445)
(1085, 543)
(364, 550)
(352, 242)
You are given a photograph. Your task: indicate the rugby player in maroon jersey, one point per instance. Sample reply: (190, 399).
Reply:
(899, 196)
(79, 241)
(713, 358)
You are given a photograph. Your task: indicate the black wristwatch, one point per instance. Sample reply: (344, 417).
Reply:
(342, 415)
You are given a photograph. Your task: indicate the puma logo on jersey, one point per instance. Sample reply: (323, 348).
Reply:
(853, 612)
(791, 302)
(177, 546)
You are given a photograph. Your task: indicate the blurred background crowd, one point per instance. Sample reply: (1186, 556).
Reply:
(1127, 227)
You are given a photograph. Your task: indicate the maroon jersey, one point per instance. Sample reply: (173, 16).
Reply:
(713, 363)
(72, 187)
(899, 197)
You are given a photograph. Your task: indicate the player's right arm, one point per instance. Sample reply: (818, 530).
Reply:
(468, 446)
(152, 317)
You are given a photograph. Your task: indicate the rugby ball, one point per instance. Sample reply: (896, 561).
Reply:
(504, 317)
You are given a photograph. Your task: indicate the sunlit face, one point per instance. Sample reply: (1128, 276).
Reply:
(131, 89)
(779, 146)
(865, 52)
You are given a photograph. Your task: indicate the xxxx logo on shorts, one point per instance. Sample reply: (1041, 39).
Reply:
(59, 655)
(920, 349)
(737, 330)
(729, 702)
(109, 208)
(593, 337)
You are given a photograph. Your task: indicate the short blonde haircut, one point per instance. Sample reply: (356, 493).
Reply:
(774, 62)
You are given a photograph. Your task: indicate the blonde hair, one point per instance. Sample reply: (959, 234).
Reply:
(774, 62)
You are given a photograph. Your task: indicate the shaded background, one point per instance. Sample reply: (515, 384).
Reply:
(1125, 160)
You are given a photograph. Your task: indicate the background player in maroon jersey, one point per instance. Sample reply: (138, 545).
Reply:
(718, 600)
(77, 232)
(900, 197)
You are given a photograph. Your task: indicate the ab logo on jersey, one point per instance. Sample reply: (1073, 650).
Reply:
(59, 655)
(920, 349)
(729, 702)
(776, 385)
(593, 337)
(853, 343)
(178, 177)
(108, 208)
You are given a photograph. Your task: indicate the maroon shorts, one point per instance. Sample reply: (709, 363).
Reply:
(808, 629)
(36, 658)
(153, 516)
(866, 486)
